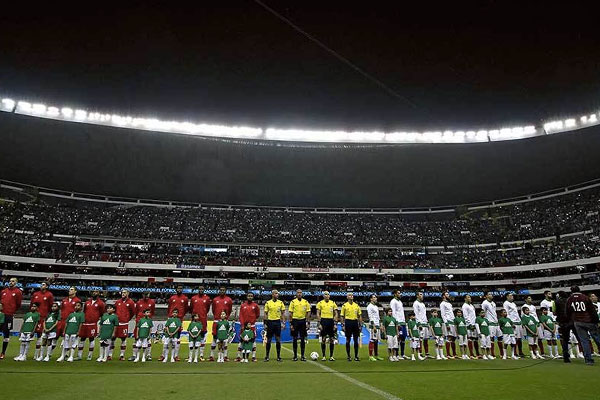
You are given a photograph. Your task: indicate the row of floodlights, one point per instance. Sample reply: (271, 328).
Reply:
(295, 135)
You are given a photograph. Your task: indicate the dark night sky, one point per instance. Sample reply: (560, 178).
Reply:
(480, 65)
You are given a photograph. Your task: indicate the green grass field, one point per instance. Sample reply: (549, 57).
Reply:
(419, 380)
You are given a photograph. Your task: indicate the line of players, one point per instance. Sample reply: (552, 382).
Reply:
(445, 326)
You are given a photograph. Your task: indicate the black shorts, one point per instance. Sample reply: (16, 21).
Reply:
(352, 328)
(273, 328)
(299, 326)
(7, 326)
(327, 327)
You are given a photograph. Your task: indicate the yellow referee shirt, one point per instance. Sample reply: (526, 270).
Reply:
(350, 311)
(327, 308)
(299, 308)
(273, 309)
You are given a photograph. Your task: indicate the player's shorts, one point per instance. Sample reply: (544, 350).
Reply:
(166, 340)
(519, 331)
(26, 337)
(415, 342)
(105, 342)
(327, 328)
(439, 340)
(70, 341)
(392, 342)
(60, 327)
(509, 339)
(532, 339)
(462, 340)
(141, 342)
(49, 335)
(472, 333)
(122, 331)
(374, 333)
(485, 341)
(7, 326)
(299, 328)
(403, 333)
(273, 328)
(88, 331)
(449, 330)
(495, 332)
(549, 335)
(540, 331)
(424, 332)
(351, 328)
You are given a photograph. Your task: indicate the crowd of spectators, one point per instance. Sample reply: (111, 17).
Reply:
(548, 217)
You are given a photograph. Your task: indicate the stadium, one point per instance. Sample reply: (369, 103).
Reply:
(354, 250)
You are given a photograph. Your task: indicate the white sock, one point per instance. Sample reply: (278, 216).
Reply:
(254, 352)
(212, 349)
(556, 349)
(177, 344)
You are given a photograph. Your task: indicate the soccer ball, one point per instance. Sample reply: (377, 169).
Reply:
(314, 356)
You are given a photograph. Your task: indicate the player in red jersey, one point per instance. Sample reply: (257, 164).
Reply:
(67, 306)
(200, 304)
(179, 302)
(249, 312)
(125, 310)
(94, 308)
(11, 298)
(145, 303)
(44, 298)
(220, 303)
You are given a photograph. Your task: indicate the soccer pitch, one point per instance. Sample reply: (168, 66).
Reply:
(407, 380)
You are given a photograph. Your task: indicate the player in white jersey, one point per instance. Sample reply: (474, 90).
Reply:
(420, 310)
(489, 307)
(398, 313)
(468, 310)
(512, 312)
(374, 329)
(447, 314)
(548, 302)
(533, 312)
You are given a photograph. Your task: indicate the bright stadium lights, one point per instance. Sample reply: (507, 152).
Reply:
(295, 135)
(7, 105)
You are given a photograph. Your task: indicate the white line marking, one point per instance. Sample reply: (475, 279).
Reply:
(356, 382)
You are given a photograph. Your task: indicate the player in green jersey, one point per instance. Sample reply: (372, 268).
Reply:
(549, 332)
(223, 328)
(530, 325)
(171, 336)
(195, 335)
(482, 326)
(415, 338)
(247, 338)
(108, 330)
(391, 331)
(436, 325)
(461, 332)
(30, 321)
(49, 334)
(144, 329)
(507, 326)
(71, 336)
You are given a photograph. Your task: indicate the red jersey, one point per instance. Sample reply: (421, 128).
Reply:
(45, 300)
(11, 299)
(67, 306)
(125, 309)
(221, 304)
(179, 302)
(200, 305)
(93, 310)
(142, 305)
(581, 309)
(249, 312)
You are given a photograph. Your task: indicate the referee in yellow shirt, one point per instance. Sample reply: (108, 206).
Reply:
(274, 322)
(299, 318)
(327, 316)
(352, 324)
